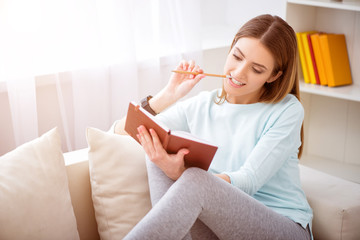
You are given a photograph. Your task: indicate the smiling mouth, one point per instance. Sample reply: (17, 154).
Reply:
(236, 82)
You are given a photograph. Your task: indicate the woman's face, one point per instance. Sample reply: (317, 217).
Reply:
(250, 65)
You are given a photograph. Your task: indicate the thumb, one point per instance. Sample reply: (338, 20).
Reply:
(199, 77)
(182, 152)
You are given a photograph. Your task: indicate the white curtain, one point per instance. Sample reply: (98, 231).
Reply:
(90, 58)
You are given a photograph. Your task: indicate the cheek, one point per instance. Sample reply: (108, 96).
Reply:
(257, 79)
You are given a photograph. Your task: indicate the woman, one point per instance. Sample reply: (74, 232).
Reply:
(252, 189)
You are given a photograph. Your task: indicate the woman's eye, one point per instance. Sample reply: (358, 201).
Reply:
(237, 57)
(257, 71)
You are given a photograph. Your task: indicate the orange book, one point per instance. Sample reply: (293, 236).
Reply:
(201, 152)
(312, 54)
(310, 66)
(336, 59)
(302, 58)
(318, 58)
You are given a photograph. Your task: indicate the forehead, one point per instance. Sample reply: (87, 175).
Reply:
(254, 51)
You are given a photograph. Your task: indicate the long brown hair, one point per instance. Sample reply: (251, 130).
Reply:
(280, 39)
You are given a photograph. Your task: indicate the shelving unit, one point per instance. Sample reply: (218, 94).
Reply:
(351, 92)
(332, 115)
(343, 5)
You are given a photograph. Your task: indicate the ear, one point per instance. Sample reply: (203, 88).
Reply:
(273, 78)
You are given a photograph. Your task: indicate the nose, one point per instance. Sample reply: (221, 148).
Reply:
(240, 70)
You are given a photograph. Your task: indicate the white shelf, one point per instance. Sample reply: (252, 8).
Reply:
(346, 171)
(350, 92)
(353, 5)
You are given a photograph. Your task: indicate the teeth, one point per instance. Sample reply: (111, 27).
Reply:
(237, 82)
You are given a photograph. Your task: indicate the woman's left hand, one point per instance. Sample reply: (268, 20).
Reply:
(172, 165)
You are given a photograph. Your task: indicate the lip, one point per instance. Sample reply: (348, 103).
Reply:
(233, 84)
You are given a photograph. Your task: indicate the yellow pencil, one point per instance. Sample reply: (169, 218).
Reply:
(206, 74)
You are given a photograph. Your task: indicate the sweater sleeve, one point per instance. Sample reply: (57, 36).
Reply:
(175, 117)
(279, 142)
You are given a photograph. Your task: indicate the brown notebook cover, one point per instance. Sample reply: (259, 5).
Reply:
(201, 152)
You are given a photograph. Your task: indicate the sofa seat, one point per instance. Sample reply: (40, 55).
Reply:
(335, 202)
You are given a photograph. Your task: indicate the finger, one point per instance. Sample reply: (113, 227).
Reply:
(184, 65)
(197, 79)
(146, 141)
(199, 70)
(141, 137)
(155, 137)
(144, 134)
(196, 68)
(180, 155)
(180, 65)
(191, 65)
(156, 141)
(182, 152)
(191, 68)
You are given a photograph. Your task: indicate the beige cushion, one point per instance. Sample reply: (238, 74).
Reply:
(34, 195)
(80, 192)
(335, 202)
(119, 182)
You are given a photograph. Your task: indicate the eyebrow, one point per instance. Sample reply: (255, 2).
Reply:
(242, 54)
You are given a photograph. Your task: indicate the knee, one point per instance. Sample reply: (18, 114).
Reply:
(195, 175)
(194, 171)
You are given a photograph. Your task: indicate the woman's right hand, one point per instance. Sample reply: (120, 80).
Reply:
(178, 86)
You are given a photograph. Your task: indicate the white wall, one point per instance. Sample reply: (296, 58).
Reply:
(230, 14)
(237, 12)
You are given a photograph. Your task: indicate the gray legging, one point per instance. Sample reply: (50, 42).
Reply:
(199, 201)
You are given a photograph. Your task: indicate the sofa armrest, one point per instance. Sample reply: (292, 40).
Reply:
(335, 203)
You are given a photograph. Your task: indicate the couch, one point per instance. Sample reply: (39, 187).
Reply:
(106, 192)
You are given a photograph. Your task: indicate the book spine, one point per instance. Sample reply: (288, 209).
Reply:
(319, 59)
(313, 59)
(308, 58)
(327, 59)
(302, 58)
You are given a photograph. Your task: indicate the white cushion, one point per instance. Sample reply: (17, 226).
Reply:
(335, 202)
(119, 182)
(35, 201)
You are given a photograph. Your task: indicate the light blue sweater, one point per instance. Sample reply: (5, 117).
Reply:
(258, 147)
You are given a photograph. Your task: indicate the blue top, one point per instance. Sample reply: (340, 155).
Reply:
(258, 147)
